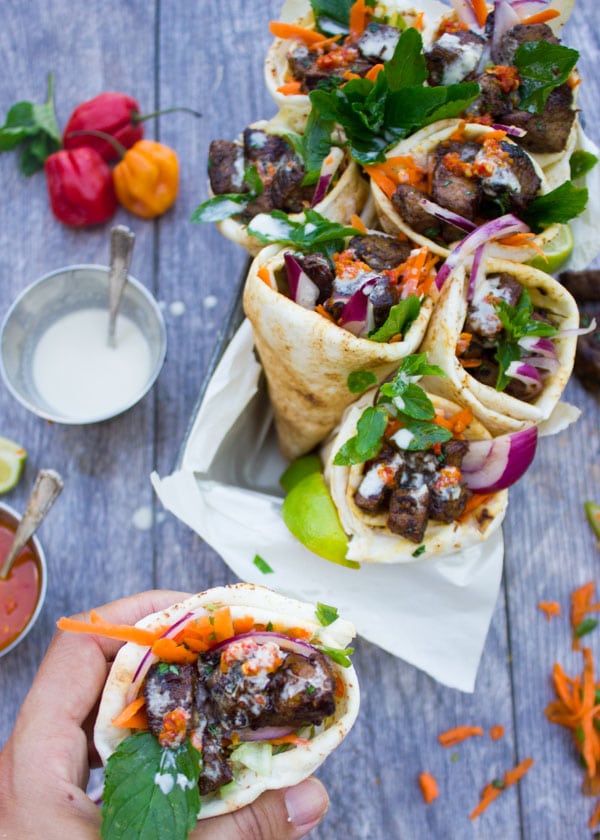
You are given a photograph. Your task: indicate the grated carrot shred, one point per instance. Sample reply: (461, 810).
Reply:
(491, 792)
(372, 74)
(429, 787)
(357, 223)
(496, 732)
(476, 500)
(551, 609)
(452, 737)
(168, 650)
(480, 9)
(292, 31)
(264, 275)
(290, 88)
(359, 13)
(541, 17)
(133, 716)
(99, 627)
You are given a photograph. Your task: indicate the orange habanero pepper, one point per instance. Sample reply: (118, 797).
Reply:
(147, 178)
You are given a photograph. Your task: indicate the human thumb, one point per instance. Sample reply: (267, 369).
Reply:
(286, 814)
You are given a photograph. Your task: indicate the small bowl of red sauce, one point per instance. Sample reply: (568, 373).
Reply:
(22, 593)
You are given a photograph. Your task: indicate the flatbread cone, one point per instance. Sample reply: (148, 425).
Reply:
(371, 541)
(498, 411)
(244, 600)
(420, 147)
(307, 358)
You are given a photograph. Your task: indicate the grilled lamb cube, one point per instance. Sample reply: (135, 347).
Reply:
(408, 512)
(226, 167)
(380, 252)
(169, 693)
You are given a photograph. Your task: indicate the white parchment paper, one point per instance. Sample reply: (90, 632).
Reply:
(433, 613)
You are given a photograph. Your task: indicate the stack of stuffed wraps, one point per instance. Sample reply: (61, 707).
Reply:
(417, 170)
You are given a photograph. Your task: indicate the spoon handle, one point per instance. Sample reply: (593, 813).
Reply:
(46, 489)
(121, 248)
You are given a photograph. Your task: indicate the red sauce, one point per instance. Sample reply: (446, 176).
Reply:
(19, 592)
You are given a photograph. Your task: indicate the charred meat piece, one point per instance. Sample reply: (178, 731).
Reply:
(380, 252)
(264, 147)
(487, 374)
(513, 184)
(522, 33)
(406, 200)
(382, 297)
(454, 451)
(454, 57)
(583, 285)
(548, 131)
(378, 42)
(408, 512)
(300, 59)
(320, 271)
(300, 692)
(448, 496)
(226, 167)
(169, 693)
(587, 356)
(206, 737)
(492, 99)
(455, 192)
(381, 474)
(287, 192)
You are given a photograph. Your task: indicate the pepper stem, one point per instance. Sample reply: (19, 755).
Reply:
(118, 147)
(138, 118)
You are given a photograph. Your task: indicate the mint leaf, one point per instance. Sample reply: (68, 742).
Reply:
(313, 145)
(581, 162)
(407, 66)
(313, 233)
(150, 792)
(254, 181)
(542, 67)
(262, 565)
(367, 441)
(35, 127)
(221, 207)
(560, 205)
(339, 655)
(326, 615)
(424, 434)
(359, 380)
(399, 319)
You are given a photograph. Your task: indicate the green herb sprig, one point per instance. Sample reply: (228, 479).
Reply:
(542, 67)
(561, 204)
(33, 127)
(313, 233)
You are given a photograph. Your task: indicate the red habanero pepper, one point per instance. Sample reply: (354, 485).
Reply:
(115, 114)
(80, 187)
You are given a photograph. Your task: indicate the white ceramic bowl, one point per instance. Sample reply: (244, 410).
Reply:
(55, 295)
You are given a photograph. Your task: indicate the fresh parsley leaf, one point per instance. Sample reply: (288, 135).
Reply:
(221, 207)
(424, 433)
(359, 380)
(418, 551)
(313, 145)
(339, 655)
(35, 127)
(367, 441)
(326, 615)
(415, 403)
(399, 319)
(254, 181)
(262, 565)
(167, 668)
(581, 162)
(375, 114)
(560, 205)
(517, 322)
(585, 627)
(313, 233)
(135, 806)
(542, 67)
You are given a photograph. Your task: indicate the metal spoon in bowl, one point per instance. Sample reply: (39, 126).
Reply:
(121, 248)
(46, 489)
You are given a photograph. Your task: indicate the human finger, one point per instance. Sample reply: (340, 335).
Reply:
(286, 814)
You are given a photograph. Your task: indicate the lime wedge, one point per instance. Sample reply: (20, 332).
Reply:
(557, 251)
(12, 458)
(298, 469)
(310, 514)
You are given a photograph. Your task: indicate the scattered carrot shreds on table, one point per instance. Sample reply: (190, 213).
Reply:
(99, 627)
(493, 790)
(581, 605)
(496, 732)
(429, 787)
(578, 709)
(451, 737)
(551, 609)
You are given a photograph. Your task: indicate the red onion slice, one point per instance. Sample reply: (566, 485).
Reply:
(465, 14)
(542, 363)
(445, 215)
(477, 274)
(538, 344)
(492, 465)
(263, 636)
(494, 229)
(329, 167)
(579, 330)
(512, 130)
(302, 289)
(357, 314)
(526, 8)
(505, 18)
(524, 372)
(266, 733)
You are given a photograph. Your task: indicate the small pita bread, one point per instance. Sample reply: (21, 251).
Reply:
(244, 599)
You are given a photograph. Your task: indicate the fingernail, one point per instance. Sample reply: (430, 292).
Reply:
(306, 803)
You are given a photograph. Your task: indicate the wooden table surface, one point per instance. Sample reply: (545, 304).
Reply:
(209, 56)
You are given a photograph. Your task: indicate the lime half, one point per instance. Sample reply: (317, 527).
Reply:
(12, 458)
(298, 470)
(557, 251)
(310, 514)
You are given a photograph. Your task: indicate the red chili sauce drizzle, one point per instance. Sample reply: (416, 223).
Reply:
(19, 592)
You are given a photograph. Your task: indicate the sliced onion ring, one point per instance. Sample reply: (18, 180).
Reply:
(265, 733)
(496, 464)
(303, 290)
(445, 215)
(329, 167)
(512, 130)
(524, 372)
(261, 637)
